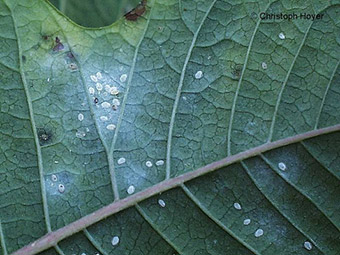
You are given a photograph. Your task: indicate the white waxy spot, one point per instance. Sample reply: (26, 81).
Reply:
(282, 36)
(56, 161)
(99, 86)
(148, 163)
(94, 78)
(99, 75)
(80, 134)
(83, 253)
(80, 117)
(121, 161)
(103, 118)
(282, 166)
(115, 240)
(123, 77)
(115, 102)
(308, 245)
(264, 65)
(258, 232)
(237, 206)
(114, 91)
(107, 88)
(91, 90)
(111, 127)
(48, 79)
(161, 202)
(61, 188)
(131, 189)
(199, 75)
(160, 163)
(106, 105)
(246, 222)
(54, 178)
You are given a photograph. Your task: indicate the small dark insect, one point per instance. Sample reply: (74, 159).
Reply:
(45, 37)
(236, 71)
(59, 46)
(136, 12)
(70, 54)
(96, 100)
(23, 57)
(44, 136)
(114, 107)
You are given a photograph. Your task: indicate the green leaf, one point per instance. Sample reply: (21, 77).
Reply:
(225, 140)
(94, 13)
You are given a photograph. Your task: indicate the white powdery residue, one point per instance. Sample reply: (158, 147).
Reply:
(107, 88)
(103, 118)
(161, 203)
(61, 188)
(111, 127)
(264, 65)
(106, 105)
(116, 102)
(308, 246)
(282, 36)
(148, 163)
(99, 75)
(246, 222)
(198, 74)
(94, 78)
(258, 232)
(282, 166)
(114, 91)
(131, 189)
(91, 90)
(123, 77)
(80, 117)
(115, 240)
(159, 162)
(121, 161)
(99, 86)
(237, 206)
(80, 134)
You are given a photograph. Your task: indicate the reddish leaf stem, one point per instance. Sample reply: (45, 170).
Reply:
(52, 238)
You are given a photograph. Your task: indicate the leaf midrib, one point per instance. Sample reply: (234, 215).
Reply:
(52, 238)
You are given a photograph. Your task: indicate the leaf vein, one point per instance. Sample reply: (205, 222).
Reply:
(152, 225)
(271, 130)
(239, 86)
(179, 89)
(34, 128)
(325, 94)
(298, 190)
(206, 211)
(278, 210)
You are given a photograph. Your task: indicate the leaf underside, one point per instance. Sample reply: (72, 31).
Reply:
(89, 116)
